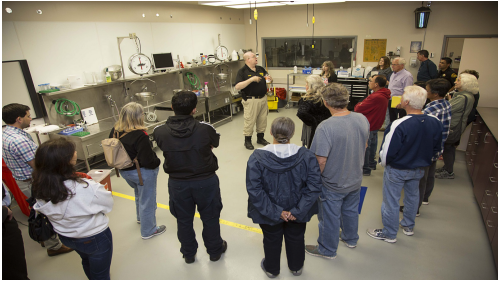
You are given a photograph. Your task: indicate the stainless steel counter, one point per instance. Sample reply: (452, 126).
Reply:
(490, 118)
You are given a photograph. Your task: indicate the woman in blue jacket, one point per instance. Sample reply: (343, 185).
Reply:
(283, 183)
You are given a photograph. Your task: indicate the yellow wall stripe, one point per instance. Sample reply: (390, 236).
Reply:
(225, 222)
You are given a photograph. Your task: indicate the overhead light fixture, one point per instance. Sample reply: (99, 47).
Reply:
(143, 15)
(8, 10)
(39, 12)
(157, 15)
(245, 6)
(304, 2)
(228, 3)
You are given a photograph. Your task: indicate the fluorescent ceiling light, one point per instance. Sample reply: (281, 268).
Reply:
(304, 2)
(246, 6)
(230, 3)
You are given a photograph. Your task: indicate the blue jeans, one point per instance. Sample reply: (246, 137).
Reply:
(96, 253)
(337, 210)
(394, 182)
(145, 197)
(185, 196)
(370, 152)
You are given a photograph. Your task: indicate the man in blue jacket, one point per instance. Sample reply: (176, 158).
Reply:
(427, 69)
(409, 145)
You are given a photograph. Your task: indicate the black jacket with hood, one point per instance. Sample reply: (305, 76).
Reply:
(277, 184)
(187, 147)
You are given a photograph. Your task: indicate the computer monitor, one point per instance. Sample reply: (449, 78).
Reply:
(162, 61)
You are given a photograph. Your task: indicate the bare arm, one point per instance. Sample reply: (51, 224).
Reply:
(321, 162)
(244, 84)
(32, 163)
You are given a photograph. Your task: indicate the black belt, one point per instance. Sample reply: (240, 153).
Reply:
(254, 97)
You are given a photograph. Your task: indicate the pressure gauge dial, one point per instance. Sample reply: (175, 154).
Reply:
(139, 64)
(221, 53)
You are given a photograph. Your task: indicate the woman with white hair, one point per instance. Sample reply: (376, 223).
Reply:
(311, 110)
(461, 105)
(283, 183)
(131, 131)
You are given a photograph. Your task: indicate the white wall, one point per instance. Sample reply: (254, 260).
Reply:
(480, 54)
(55, 50)
(394, 21)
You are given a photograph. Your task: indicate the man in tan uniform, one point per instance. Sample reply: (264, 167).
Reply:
(253, 91)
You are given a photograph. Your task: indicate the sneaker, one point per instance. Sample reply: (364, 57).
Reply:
(377, 234)
(407, 230)
(440, 170)
(347, 244)
(401, 209)
(159, 230)
(62, 250)
(224, 248)
(188, 260)
(367, 173)
(297, 273)
(445, 175)
(425, 202)
(313, 250)
(269, 274)
(373, 168)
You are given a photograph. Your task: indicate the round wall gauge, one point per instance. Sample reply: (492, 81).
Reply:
(221, 53)
(139, 64)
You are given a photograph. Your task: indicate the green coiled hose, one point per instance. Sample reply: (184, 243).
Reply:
(193, 80)
(61, 103)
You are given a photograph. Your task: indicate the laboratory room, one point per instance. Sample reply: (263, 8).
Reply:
(331, 139)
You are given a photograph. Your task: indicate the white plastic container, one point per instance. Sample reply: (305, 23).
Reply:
(234, 55)
(295, 69)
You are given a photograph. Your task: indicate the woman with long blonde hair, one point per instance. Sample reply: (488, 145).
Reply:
(131, 131)
(311, 110)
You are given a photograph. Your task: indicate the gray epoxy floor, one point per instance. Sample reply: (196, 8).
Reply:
(450, 240)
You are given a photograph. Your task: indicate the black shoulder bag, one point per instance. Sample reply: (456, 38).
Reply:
(39, 227)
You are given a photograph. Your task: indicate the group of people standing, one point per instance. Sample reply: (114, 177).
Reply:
(286, 184)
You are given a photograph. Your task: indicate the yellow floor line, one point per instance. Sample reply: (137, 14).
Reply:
(225, 222)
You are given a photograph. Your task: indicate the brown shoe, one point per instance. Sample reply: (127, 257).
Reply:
(61, 250)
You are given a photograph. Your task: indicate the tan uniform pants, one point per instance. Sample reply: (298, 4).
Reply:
(255, 114)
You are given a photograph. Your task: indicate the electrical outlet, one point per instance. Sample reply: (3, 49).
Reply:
(131, 35)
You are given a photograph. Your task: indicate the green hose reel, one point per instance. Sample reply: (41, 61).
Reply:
(193, 80)
(61, 104)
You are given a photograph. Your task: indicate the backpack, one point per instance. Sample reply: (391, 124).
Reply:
(117, 157)
(39, 227)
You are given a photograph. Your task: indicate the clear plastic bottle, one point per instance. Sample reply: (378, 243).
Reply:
(206, 89)
(108, 76)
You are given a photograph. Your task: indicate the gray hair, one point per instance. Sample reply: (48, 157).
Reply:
(315, 82)
(416, 95)
(469, 83)
(282, 129)
(335, 95)
(400, 60)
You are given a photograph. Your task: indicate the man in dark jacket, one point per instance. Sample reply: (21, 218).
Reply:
(427, 69)
(374, 108)
(187, 146)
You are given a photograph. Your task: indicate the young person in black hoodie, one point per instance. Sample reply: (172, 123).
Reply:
(132, 133)
(187, 146)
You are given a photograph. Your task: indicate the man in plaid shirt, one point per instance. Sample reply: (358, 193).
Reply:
(18, 152)
(441, 108)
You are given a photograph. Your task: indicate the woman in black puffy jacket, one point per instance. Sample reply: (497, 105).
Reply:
(283, 184)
